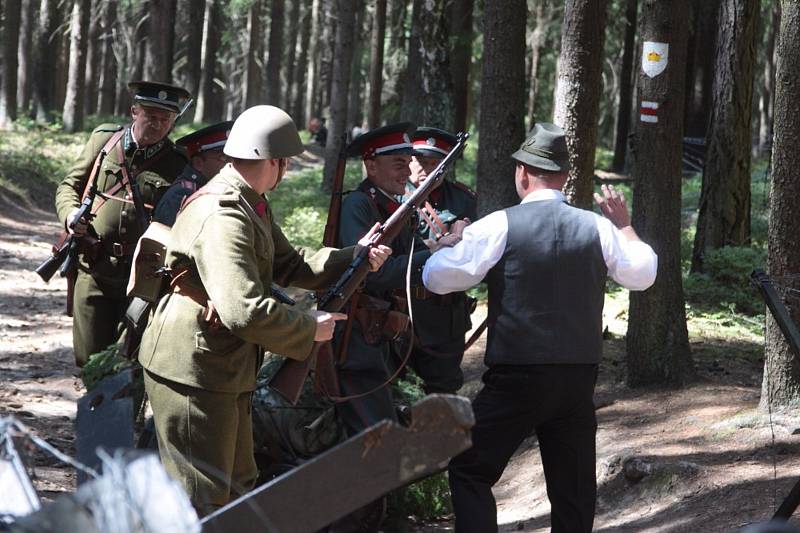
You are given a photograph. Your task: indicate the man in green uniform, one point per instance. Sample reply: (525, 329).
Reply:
(440, 321)
(204, 149)
(141, 163)
(203, 347)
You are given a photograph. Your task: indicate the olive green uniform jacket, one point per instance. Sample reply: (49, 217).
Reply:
(234, 257)
(99, 300)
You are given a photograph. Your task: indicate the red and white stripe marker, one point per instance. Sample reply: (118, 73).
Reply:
(649, 112)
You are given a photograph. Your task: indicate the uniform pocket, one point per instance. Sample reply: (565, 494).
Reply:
(220, 343)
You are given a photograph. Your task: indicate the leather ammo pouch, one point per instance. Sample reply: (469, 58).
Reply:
(147, 279)
(378, 321)
(136, 317)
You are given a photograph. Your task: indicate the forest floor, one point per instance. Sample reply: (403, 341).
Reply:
(699, 458)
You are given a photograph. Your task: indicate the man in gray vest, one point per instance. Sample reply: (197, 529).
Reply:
(546, 264)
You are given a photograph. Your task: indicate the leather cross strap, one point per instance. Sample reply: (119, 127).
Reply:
(428, 213)
(96, 167)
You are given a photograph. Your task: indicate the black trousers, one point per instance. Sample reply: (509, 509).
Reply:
(556, 402)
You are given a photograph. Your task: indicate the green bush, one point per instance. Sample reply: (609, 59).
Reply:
(305, 226)
(725, 282)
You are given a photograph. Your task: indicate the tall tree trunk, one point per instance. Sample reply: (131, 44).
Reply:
(626, 89)
(252, 73)
(781, 384)
(273, 85)
(461, 37)
(657, 342)
(24, 56)
(354, 116)
(312, 71)
(289, 64)
(44, 61)
(724, 217)
(502, 107)
(538, 40)
(108, 63)
(160, 40)
(91, 74)
(428, 92)
(194, 49)
(376, 64)
(395, 60)
(698, 109)
(767, 97)
(345, 12)
(299, 83)
(8, 83)
(326, 57)
(203, 109)
(73, 100)
(580, 81)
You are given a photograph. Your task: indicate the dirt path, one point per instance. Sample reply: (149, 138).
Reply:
(705, 456)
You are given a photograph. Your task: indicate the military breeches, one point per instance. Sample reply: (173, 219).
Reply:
(439, 365)
(98, 310)
(205, 440)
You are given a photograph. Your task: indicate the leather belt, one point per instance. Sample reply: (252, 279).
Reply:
(421, 293)
(117, 249)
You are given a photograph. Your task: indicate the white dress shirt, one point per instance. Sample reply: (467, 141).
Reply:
(632, 264)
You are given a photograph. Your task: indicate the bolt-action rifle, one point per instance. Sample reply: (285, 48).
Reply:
(289, 379)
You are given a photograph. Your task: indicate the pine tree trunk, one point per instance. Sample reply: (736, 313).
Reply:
(8, 83)
(24, 56)
(44, 61)
(354, 116)
(73, 100)
(537, 45)
(626, 89)
(160, 40)
(428, 92)
(461, 37)
(724, 217)
(205, 95)
(273, 85)
(289, 63)
(312, 71)
(108, 62)
(781, 384)
(252, 73)
(376, 64)
(299, 83)
(767, 99)
(502, 106)
(578, 92)
(698, 108)
(91, 74)
(657, 343)
(395, 60)
(326, 57)
(345, 12)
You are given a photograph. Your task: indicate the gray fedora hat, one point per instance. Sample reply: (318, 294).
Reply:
(545, 148)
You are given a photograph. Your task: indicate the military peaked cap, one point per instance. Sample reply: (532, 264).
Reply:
(387, 140)
(432, 142)
(210, 138)
(160, 95)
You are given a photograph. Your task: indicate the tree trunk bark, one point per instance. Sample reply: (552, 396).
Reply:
(781, 384)
(289, 62)
(767, 100)
(273, 85)
(252, 73)
(354, 101)
(312, 70)
(160, 40)
(537, 45)
(8, 83)
(579, 87)
(44, 62)
(698, 108)
(73, 100)
(657, 342)
(108, 63)
(299, 83)
(724, 217)
(24, 56)
(428, 93)
(461, 37)
(395, 61)
(91, 74)
(345, 12)
(502, 107)
(376, 64)
(626, 89)
(205, 96)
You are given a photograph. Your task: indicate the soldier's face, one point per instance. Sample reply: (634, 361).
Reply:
(389, 172)
(209, 163)
(421, 167)
(151, 124)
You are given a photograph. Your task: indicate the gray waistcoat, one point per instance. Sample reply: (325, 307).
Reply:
(546, 292)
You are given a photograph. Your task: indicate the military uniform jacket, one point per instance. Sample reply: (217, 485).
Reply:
(437, 319)
(115, 221)
(184, 185)
(233, 255)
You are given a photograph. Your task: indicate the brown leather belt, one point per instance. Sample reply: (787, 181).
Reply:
(421, 293)
(117, 249)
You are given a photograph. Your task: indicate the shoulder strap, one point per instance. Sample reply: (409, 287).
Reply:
(99, 161)
(219, 189)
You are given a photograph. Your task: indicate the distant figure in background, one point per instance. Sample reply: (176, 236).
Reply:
(319, 133)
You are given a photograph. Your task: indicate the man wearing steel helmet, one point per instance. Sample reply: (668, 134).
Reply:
(546, 265)
(142, 152)
(203, 347)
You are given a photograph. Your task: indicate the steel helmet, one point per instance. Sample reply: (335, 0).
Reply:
(263, 132)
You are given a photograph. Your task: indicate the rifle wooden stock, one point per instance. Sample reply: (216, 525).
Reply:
(337, 296)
